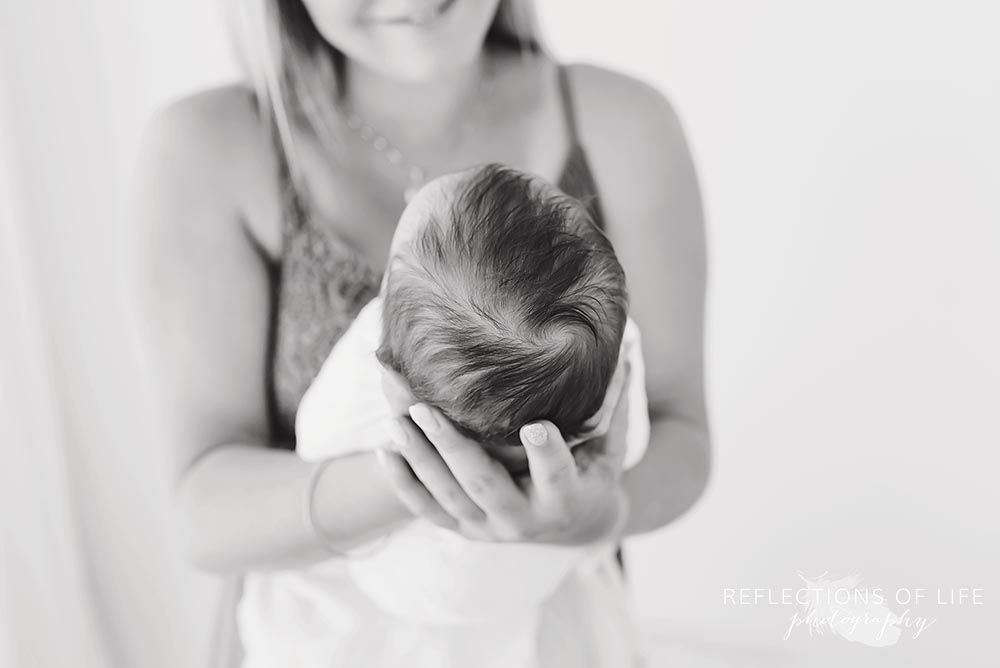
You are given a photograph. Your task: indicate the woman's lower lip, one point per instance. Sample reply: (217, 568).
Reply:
(421, 19)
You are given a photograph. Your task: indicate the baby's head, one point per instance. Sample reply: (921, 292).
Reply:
(503, 304)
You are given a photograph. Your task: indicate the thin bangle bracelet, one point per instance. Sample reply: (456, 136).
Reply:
(624, 511)
(310, 520)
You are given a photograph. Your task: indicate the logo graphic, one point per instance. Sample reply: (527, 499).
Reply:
(842, 607)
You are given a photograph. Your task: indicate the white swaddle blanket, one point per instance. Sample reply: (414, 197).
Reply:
(423, 579)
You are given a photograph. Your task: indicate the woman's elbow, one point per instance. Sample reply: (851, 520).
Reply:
(694, 466)
(690, 475)
(201, 541)
(700, 470)
(673, 476)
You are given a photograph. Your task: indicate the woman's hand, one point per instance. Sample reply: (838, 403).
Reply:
(572, 497)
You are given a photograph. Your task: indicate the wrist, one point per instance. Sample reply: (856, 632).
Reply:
(622, 506)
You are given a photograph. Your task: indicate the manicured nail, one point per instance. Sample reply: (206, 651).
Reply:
(424, 417)
(534, 434)
(396, 432)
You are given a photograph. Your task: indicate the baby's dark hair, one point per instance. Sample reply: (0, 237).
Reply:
(509, 310)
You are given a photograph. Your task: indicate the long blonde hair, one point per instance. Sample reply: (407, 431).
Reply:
(288, 61)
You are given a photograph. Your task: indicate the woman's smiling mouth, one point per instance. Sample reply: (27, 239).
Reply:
(421, 16)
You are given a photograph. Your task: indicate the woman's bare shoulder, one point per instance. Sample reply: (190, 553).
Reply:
(212, 147)
(208, 128)
(636, 144)
(610, 102)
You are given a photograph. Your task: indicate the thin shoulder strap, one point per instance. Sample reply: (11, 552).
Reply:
(567, 103)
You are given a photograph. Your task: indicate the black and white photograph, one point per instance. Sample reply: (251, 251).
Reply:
(499, 333)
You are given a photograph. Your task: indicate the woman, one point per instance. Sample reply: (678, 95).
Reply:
(264, 216)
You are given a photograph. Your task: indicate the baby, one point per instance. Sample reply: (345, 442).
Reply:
(507, 305)
(503, 303)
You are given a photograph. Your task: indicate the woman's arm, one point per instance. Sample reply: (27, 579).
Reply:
(201, 292)
(650, 196)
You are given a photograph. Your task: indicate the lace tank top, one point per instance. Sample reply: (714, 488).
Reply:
(321, 283)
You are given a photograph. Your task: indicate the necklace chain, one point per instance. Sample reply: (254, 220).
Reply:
(416, 174)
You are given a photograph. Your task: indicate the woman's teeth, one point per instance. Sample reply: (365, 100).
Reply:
(426, 14)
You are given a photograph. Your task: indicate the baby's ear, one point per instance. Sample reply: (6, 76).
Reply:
(396, 391)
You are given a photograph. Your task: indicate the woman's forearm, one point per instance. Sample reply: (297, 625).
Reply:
(671, 476)
(242, 507)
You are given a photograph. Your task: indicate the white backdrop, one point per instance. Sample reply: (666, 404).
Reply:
(849, 154)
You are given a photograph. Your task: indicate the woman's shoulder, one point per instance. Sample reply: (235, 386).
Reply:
(639, 156)
(611, 104)
(631, 131)
(210, 123)
(214, 146)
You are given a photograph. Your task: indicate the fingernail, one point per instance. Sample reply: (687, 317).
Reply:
(396, 432)
(534, 434)
(424, 418)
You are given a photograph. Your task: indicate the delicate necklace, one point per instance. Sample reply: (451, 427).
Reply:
(416, 174)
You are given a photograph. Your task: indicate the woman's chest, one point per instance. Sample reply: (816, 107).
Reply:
(358, 189)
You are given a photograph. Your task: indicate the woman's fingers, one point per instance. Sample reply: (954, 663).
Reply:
(428, 466)
(482, 478)
(553, 469)
(413, 494)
